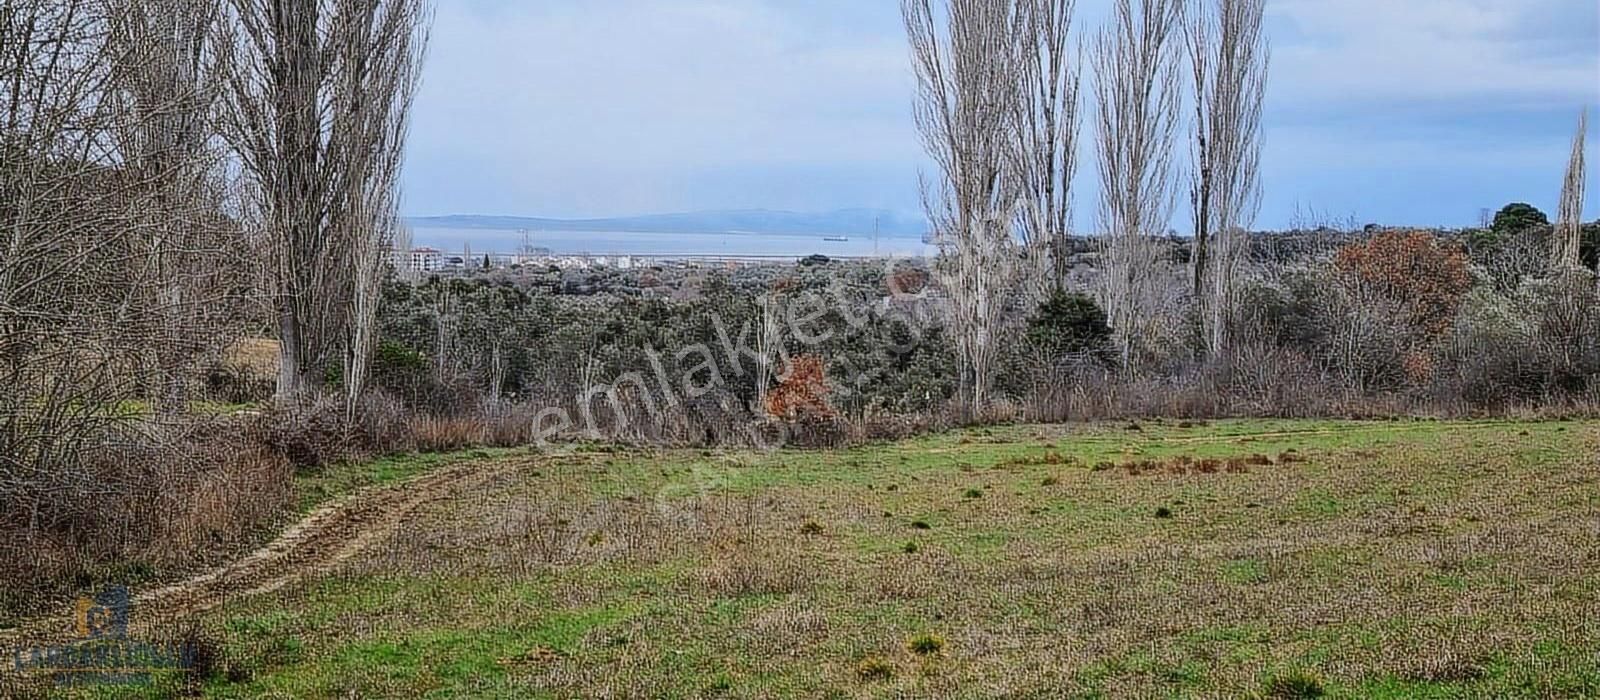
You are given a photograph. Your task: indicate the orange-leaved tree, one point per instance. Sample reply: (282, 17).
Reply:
(1426, 277)
(802, 392)
(1418, 277)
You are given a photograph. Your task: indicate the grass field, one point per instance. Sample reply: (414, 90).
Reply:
(1231, 559)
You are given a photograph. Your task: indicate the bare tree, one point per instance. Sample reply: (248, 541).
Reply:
(368, 264)
(769, 345)
(58, 360)
(1049, 72)
(188, 255)
(1569, 221)
(965, 56)
(1229, 56)
(1136, 92)
(447, 321)
(489, 324)
(316, 110)
(106, 201)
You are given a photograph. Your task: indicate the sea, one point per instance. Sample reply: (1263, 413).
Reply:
(668, 244)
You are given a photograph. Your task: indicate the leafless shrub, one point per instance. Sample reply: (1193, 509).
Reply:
(887, 426)
(541, 533)
(117, 267)
(1268, 378)
(139, 504)
(311, 435)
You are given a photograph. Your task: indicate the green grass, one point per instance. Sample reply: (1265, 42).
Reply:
(1397, 560)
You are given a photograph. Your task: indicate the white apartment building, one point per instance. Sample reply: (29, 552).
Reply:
(418, 260)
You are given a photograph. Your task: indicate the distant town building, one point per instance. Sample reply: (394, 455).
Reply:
(418, 260)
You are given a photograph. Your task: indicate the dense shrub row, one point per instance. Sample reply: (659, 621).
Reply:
(1387, 321)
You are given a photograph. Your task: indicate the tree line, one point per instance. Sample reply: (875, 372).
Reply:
(171, 166)
(176, 175)
(1000, 106)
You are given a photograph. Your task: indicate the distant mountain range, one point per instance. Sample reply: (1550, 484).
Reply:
(859, 222)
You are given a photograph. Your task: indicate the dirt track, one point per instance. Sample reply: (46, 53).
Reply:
(316, 544)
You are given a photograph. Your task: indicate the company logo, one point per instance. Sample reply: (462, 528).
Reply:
(103, 654)
(104, 615)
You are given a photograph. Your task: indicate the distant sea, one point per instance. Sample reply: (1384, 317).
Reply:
(666, 244)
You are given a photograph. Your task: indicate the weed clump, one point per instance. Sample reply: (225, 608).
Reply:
(911, 548)
(874, 668)
(206, 657)
(743, 572)
(973, 493)
(1447, 670)
(926, 644)
(1298, 685)
(1048, 459)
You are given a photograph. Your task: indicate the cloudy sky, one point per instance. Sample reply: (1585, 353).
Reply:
(1391, 111)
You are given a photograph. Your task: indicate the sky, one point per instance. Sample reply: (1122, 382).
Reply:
(1398, 112)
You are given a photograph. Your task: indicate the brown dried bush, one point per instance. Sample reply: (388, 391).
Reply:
(136, 505)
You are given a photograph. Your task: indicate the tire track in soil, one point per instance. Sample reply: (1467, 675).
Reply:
(315, 545)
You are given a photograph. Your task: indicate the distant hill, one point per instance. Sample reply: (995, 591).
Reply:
(753, 221)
